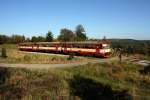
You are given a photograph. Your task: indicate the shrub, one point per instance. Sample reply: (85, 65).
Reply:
(27, 58)
(71, 56)
(4, 53)
(53, 59)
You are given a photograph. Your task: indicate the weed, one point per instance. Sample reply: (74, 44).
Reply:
(27, 58)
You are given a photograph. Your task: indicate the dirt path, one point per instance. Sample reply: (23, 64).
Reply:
(46, 66)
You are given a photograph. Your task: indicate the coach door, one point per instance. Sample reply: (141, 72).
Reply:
(97, 49)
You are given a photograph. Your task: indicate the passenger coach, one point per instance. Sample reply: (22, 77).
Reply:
(98, 49)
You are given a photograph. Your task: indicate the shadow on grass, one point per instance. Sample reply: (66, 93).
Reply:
(146, 70)
(4, 74)
(8, 91)
(88, 89)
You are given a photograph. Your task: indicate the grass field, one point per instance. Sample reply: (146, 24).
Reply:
(105, 81)
(16, 56)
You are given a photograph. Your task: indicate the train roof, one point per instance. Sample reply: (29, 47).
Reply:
(83, 42)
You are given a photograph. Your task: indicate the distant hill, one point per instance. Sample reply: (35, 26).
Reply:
(128, 40)
(132, 46)
(124, 41)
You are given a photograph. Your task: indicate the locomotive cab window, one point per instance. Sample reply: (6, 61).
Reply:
(105, 46)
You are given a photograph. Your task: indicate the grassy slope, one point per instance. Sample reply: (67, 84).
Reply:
(16, 56)
(101, 79)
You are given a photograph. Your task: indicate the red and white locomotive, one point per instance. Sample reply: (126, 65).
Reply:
(98, 49)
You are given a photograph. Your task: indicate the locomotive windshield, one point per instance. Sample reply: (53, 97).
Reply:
(105, 46)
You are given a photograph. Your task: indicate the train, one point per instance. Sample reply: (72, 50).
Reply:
(97, 49)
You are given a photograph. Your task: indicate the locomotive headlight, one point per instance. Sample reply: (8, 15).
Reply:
(107, 50)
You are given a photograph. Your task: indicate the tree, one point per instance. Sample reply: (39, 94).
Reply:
(49, 37)
(38, 39)
(66, 35)
(80, 33)
(17, 39)
(34, 39)
(41, 39)
(4, 39)
(104, 38)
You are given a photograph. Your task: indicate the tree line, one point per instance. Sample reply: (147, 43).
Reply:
(11, 39)
(130, 46)
(66, 35)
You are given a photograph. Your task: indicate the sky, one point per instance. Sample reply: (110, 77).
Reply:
(110, 18)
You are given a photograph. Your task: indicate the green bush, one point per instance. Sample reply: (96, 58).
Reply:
(71, 56)
(4, 53)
